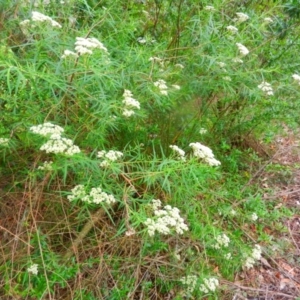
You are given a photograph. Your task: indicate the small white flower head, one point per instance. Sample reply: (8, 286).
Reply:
(222, 240)
(190, 281)
(233, 212)
(268, 20)
(205, 153)
(256, 252)
(24, 23)
(47, 129)
(109, 156)
(129, 104)
(177, 256)
(266, 88)
(97, 196)
(46, 166)
(181, 66)
(227, 78)
(113, 155)
(241, 17)
(161, 84)
(202, 131)
(209, 8)
(69, 53)
(232, 29)
(178, 151)
(87, 45)
(243, 50)
(228, 256)
(130, 232)
(141, 40)
(128, 113)
(237, 60)
(253, 257)
(60, 145)
(33, 269)
(77, 192)
(296, 77)
(209, 285)
(4, 142)
(165, 221)
(156, 204)
(176, 87)
(155, 59)
(254, 217)
(221, 64)
(38, 17)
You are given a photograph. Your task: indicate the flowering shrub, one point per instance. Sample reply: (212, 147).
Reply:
(200, 73)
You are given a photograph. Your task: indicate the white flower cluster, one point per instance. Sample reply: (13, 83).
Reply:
(33, 269)
(202, 131)
(46, 166)
(109, 157)
(144, 40)
(221, 64)
(254, 217)
(69, 53)
(205, 153)
(47, 129)
(56, 143)
(165, 220)
(241, 17)
(227, 78)
(237, 60)
(4, 141)
(77, 192)
(178, 151)
(180, 66)
(129, 103)
(176, 86)
(37, 17)
(155, 204)
(85, 46)
(190, 281)
(232, 29)
(222, 241)
(95, 196)
(254, 256)
(40, 3)
(209, 285)
(228, 256)
(141, 40)
(266, 87)
(243, 50)
(157, 59)
(268, 20)
(296, 77)
(209, 8)
(161, 84)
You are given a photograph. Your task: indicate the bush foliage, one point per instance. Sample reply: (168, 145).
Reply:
(96, 203)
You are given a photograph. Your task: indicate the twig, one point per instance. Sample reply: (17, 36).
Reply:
(292, 237)
(16, 237)
(258, 290)
(82, 234)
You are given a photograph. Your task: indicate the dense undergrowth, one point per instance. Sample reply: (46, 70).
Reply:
(107, 190)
